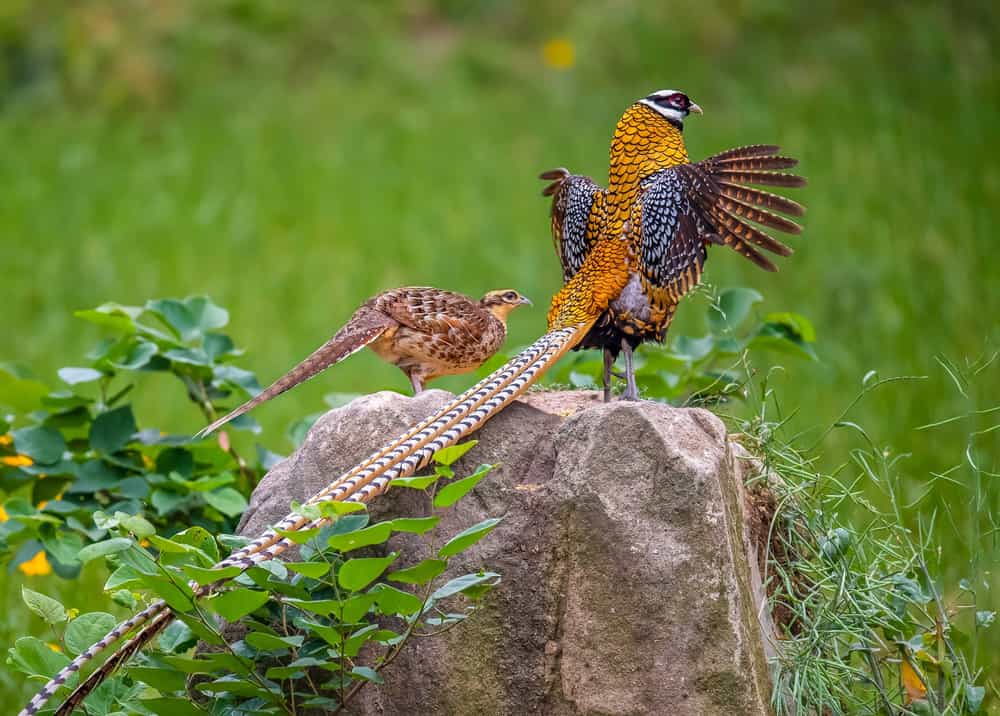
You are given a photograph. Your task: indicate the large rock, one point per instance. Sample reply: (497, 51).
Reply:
(626, 589)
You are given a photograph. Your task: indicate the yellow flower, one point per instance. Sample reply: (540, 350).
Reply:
(55, 647)
(41, 505)
(559, 53)
(147, 461)
(3, 514)
(17, 460)
(36, 566)
(6, 440)
(144, 542)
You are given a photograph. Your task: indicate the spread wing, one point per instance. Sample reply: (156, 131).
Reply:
(449, 317)
(685, 207)
(577, 216)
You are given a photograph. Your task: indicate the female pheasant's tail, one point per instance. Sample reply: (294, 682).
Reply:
(370, 478)
(363, 328)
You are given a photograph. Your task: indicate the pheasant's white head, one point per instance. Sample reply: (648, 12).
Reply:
(671, 104)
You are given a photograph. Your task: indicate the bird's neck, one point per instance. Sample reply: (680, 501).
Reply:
(500, 311)
(644, 143)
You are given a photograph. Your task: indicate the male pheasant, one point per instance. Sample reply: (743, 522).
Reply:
(658, 215)
(702, 202)
(427, 332)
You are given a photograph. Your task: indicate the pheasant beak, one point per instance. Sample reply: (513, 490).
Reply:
(525, 300)
(694, 109)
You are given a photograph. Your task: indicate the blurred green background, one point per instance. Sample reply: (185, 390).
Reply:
(292, 159)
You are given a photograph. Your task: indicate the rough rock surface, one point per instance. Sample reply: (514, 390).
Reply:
(626, 589)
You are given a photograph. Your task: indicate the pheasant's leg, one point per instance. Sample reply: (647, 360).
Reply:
(609, 362)
(631, 389)
(417, 383)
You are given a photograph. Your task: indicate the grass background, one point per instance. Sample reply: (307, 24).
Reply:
(291, 160)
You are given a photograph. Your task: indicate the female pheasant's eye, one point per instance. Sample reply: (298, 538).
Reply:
(510, 296)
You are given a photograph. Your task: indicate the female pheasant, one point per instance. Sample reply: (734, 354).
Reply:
(427, 332)
(658, 215)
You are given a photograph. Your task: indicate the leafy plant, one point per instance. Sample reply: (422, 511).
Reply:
(74, 463)
(854, 573)
(307, 633)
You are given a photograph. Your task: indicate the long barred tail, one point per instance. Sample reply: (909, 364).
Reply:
(370, 478)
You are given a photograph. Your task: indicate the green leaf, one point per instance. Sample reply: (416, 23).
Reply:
(63, 546)
(338, 508)
(314, 570)
(468, 537)
(357, 574)
(367, 673)
(416, 483)
(357, 640)
(112, 315)
(416, 525)
(216, 345)
(164, 680)
(165, 502)
(137, 525)
(236, 686)
(202, 539)
(267, 642)
(296, 669)
(974, 696)
(73, 376)
(207, 576)
(420, 573)
(102, 549)
(300, 536)
(86, 630)
(43, 445)
(174, 546)
(237, 603)
(731, 309)
(44, 606)
(170, 706)
(464, 583)
(797, 323)
(454, 491)
(226, 500)
(175, 636)
(112, 430)
(356, 607)
(207, 663)
(449, 455)
(323, 607)
(206, 315)
(21, 394)
(376, 534)
(188, 356)
(33, 656)
(693, 349)
(175, 315)
(138, 356)
(395, 601)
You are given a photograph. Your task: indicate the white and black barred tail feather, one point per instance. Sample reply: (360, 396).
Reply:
(349, 340)
(372, 477)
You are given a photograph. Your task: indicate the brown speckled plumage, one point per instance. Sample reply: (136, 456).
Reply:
(425, 331)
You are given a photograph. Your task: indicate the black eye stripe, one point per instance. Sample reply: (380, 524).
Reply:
(665, 101)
